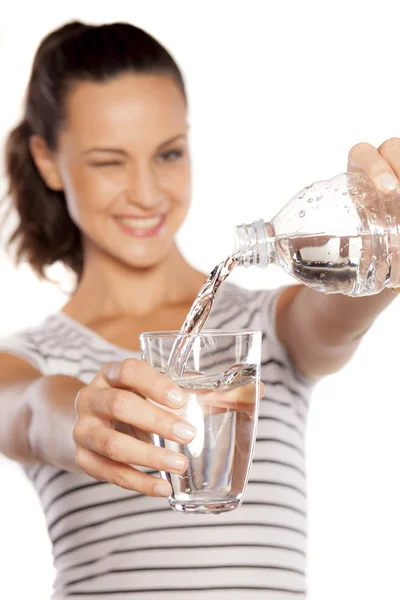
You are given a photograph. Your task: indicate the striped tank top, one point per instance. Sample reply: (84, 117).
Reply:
(108, 542)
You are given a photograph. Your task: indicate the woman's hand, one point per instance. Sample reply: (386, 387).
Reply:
(381, 165)
(117, 395)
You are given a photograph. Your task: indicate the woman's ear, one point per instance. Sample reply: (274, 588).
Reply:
(45, 163)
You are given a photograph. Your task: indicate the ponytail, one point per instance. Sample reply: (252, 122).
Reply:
(45, 232)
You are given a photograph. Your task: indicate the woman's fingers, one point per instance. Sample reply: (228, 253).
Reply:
(104, 469)
(390, 151)
(136, 375)
(374, 163)
(114, 423)
(122, 448)
(122, 405)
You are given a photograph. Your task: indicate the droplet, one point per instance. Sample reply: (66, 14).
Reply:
(308, 187)
(374, 257)
(302, 214)
(337, 188)
(310, 200)
(344, 193)
(300, 196)
(318, 198)
(384, 255)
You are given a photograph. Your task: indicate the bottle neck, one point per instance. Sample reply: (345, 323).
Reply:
(254, 244)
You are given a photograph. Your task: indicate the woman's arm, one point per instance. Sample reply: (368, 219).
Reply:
(322, 332)
(101, 429)
(37, 414)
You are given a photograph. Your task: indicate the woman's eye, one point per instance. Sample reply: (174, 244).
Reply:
(106, 164)
(170, 156)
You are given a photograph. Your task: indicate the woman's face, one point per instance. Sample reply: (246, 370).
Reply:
(123, 162)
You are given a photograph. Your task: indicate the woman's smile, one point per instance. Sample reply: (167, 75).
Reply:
(142, 227)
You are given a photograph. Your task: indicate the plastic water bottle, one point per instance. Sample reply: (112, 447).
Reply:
(340, 235)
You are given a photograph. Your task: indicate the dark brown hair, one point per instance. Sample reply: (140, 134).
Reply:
(75, 52)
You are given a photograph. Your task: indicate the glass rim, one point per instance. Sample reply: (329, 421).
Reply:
(204, 333)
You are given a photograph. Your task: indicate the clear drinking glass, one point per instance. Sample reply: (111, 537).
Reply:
(222, 382)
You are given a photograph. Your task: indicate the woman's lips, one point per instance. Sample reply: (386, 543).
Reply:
(142, 227)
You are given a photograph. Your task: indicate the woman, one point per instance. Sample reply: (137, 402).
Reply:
(99, 174)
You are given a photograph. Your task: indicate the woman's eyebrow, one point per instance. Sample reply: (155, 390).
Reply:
(105, 149)
(122, 152)
(171, 140)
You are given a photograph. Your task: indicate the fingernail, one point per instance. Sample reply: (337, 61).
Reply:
(184, 431)
(388, 182)
(174, 462)
(162, 489)
(114, 371)
(176, 398)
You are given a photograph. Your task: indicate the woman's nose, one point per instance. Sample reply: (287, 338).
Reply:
(144, 190)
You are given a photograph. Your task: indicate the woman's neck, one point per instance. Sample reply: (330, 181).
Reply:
(109, 288)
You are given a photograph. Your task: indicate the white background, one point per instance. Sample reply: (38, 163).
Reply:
(279, 92)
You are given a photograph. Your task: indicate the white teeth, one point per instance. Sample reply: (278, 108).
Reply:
(140, 223)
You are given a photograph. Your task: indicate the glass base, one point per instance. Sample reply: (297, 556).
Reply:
(204, 506)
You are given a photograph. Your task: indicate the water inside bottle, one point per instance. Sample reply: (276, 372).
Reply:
(351, 265)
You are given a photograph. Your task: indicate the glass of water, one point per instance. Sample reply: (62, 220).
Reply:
(221, 379)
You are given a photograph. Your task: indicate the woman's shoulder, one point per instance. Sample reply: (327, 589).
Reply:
(246, 300)
(241, 308)
(28, 343)
(234, 290)
(58, 345)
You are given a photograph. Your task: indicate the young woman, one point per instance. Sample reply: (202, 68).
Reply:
(99, 174)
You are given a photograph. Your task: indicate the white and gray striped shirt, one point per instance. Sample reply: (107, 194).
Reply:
(114, 543)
